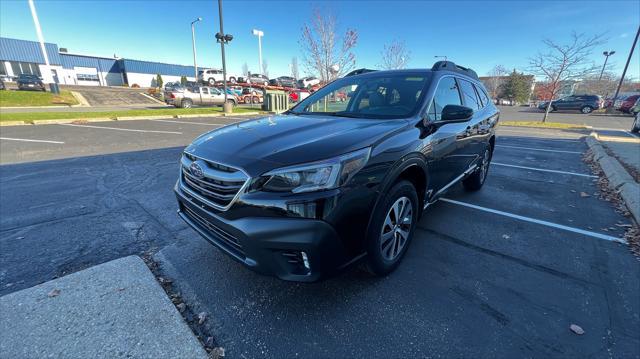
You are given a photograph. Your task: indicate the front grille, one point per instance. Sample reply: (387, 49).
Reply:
(217, 185)
(225, 238)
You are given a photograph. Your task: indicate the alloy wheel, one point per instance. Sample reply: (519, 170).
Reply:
(396, 228)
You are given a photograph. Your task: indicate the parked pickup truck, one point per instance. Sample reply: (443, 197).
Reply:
(203, 96)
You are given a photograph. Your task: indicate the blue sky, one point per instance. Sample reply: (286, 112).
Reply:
(475, 34)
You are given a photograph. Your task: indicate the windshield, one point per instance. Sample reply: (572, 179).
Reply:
(383, 95)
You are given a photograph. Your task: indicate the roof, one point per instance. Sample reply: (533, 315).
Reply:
(27, 51)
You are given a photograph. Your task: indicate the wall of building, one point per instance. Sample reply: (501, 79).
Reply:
(149, 80)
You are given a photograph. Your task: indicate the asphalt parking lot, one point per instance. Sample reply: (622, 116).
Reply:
(502, 272)
(618, 120)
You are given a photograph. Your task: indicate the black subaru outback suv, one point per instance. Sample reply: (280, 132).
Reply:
(344, 175)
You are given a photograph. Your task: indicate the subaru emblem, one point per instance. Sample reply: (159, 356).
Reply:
(196, 170)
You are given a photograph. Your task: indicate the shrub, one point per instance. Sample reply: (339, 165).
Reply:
(135, 86)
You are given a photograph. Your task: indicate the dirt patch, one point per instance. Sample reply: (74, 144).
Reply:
(196, 321)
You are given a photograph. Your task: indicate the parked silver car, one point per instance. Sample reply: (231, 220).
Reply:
(203, 96)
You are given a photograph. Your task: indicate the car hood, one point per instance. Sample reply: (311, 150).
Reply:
(260, 145)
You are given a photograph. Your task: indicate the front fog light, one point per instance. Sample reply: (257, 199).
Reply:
(305, 261)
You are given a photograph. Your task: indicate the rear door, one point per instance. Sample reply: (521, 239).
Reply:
(448, 159)
(471, 142)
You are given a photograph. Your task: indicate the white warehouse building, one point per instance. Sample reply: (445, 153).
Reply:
(23, 56)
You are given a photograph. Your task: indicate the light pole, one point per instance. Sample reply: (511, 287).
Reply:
(47, 75)
(259, 34)
(223, 38)
(193, 43)
(606, 57)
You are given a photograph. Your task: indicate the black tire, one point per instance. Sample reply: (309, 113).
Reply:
(186, 103)
(233, 103)
(378, 262)
(211, 81)
(232, 80)
(635, 128)
(475, 181)
(586, 109)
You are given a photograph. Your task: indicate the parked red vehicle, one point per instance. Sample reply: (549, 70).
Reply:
(625, 104)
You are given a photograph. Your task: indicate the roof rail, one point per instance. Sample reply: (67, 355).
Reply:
(358, 72)
(450, 66)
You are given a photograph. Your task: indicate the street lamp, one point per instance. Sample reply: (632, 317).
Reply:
(47, 76)
(193, 42)
(223, 38)
(606, 57)
(259, 34)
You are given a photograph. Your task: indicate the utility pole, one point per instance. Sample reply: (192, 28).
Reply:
(47, 75)
(624, 72)
(606, 57)
(193, 43)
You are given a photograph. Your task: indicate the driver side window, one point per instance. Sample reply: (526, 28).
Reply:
(446, 93)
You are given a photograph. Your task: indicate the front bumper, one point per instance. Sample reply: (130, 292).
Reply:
(269, 245)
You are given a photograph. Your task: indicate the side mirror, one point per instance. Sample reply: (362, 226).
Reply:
(455, 114)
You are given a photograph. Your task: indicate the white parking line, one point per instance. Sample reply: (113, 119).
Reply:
(27, 140)
(540, 149)
(192, 123)
(119, 129)
(537, 221)
(544, 170)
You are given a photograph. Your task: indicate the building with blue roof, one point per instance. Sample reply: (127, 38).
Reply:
(25, 57)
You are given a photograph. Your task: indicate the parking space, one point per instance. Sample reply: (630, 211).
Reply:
(502, 272)
(58, 141)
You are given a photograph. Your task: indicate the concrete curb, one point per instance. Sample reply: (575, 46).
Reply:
(121, 118)
(152, 98)
(82, 102)
(619, 179)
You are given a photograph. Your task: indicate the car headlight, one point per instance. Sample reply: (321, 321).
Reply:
(316, 176)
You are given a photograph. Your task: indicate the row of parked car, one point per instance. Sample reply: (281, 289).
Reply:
(213, 76)
(589, 103)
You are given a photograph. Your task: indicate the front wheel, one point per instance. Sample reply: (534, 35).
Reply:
(391, 228)
(636, 124)
(212, 81)
(232, 80)
(586, 109)
(475, 181)
(186, 104)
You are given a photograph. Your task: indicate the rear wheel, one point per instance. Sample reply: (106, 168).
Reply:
(475, 181)
(186, 104)
(586, 109)
(232, 80)
(391, 229)
(212, 81)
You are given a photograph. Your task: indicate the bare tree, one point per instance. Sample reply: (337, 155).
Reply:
(565, 62)
(265, 68)
(395, 55)
(245, 70)
(295, 72)
(495, 79)
(323, 52)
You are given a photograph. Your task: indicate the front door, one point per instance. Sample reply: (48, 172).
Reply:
(448, 159)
